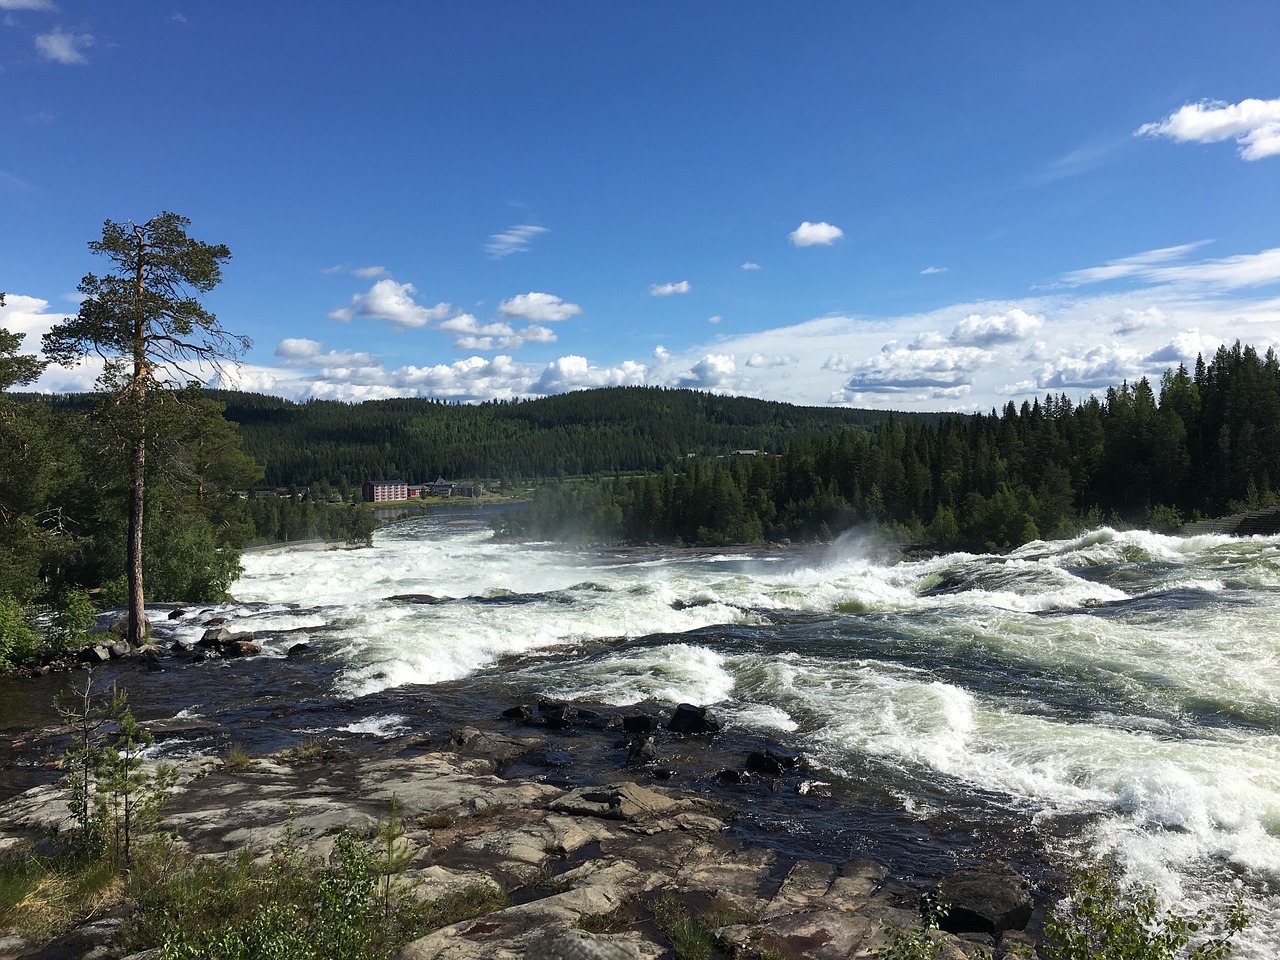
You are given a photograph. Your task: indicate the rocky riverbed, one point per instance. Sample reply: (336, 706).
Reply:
(582, 866)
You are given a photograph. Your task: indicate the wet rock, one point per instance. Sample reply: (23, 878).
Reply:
(689, 718)
(241, 648)
(215, 621)
(521, 713)
(733, 777)
(772, 761)
(297, 650)
(98, 653)
(639, 723)
(415, 598)
(176, 613)
(120, 648)
(216, 637)
(641, 750)
(488, 745)
(988, 899)
(556, 714)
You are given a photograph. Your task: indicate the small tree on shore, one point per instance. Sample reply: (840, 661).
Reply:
(148, 325)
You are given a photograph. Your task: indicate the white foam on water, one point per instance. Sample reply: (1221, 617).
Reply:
(1160, 723)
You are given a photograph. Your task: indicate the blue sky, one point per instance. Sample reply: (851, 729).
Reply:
(923, 206)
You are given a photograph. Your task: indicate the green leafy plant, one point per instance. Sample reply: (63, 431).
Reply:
(923, 943)
(1100, 920)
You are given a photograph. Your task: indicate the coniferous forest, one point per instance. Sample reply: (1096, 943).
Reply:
(623, 465)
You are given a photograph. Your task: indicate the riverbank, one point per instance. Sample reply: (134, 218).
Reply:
(592, 867)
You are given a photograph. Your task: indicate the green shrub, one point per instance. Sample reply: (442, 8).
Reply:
(1102, 921)
(18, 643)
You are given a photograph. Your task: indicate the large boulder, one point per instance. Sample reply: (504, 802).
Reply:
(990, 899)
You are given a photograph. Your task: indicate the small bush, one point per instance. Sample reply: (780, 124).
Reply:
(1102, 921)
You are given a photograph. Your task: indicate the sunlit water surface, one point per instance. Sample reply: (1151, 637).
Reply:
(1117, 694)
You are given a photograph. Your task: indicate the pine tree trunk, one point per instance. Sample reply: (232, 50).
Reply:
(137, 501)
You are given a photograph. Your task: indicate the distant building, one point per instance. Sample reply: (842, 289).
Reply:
(441, 488)
(376, 491)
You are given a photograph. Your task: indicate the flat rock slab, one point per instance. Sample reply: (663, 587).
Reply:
(568, 857)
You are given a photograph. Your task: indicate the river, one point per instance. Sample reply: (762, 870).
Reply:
(1112, 696)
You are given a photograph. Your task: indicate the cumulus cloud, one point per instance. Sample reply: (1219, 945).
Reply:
(1009, 327)
(815, 234)
(714, 371)
(750, 265)
(538, 307)
(474, 335)
(576, 373)
(715, 318)
(1093, 368)
(667, 289)
(393, 302)
(302, 352)
(64, 48)
(936, 371)
(515, 239)
(1253, 124)
(536, 334)
(661, 353)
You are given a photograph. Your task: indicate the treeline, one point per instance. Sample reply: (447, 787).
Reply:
(584, 432)
(1205, 443)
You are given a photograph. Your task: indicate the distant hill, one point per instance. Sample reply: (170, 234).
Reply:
(588, 431)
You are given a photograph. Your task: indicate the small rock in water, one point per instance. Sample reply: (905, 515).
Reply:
(639, 723)
(772, 761)
(693, 719)
(641, 750)
(298, 649)
(521, 712)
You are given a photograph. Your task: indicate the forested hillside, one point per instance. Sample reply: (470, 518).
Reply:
(1208, 443)
(590, 431)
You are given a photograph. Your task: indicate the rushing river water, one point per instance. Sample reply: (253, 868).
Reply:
(1114, 695)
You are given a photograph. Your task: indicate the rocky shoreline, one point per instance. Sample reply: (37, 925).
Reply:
(581, 866)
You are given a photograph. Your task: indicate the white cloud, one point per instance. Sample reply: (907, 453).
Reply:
(714, 371)
(369, 273)
(750, 265)
(1129, 320)
(1008, 327)
(466, 323)
(714, 319)
(536, 334)
(936, 372)
(538, 307)
(1136, 265)
(1098, 367)
(298, 348)
(393, 302)
(515, 239)
(336, 268)
(930, 271)
(815, 234)
(576, 373)
(667, 289)
(63, 47)
(1253, 124)
(1154, 266)
(661, 353)
(760, 362)
(302, 352)
(27, 5)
